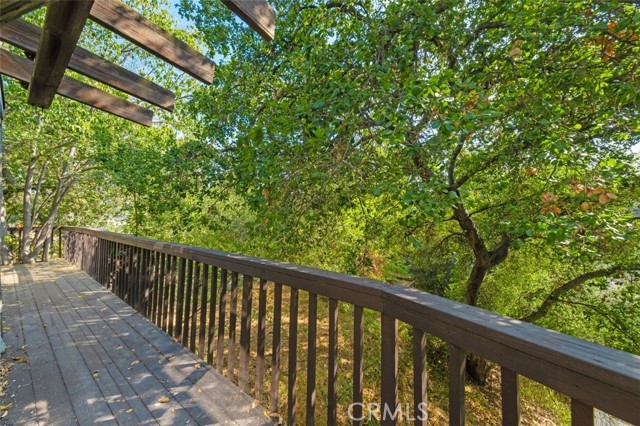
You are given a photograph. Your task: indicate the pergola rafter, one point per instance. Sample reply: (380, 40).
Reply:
(55, 50)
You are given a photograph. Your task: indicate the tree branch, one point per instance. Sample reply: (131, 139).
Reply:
(554, 296)
(606, 316)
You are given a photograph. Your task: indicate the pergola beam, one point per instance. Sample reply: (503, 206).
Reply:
(26, 36)
(126, 22)
(63, 24)
(258, 14)
(12, 9)
(21, 69)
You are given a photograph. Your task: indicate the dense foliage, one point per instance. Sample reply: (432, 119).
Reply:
(480, 150)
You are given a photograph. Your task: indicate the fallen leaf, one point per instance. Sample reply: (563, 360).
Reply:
(163, 399)
(20, 359)
(6, 407)
(129, 410)
(197, 365)
(135, 362)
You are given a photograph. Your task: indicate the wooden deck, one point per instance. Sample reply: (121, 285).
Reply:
(93, 360)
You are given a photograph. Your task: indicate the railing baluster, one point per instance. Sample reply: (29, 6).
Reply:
(202, 330)
(293, 356)
(389, 361)
(457, 361)
(212, 313)
(311, 358)
(194, 308)
(262, 327)
(152, 306)
(245, 332)
(581, 413)
(419, 377)
(221, 320)
(129, 274)
(275, 348)
(172, 294)
(233, 319)
(358, 371)
(163, 291)
(159, 298)
(510, 390)
(184, 317)
(332, 381)
(182, 277)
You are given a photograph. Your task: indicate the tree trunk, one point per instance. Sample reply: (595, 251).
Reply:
(66, 181)
(27, 224)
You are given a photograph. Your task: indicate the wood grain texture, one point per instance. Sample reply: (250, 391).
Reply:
(95, 360)
(21, 69)
(26, 36)
(63, 24)
(581, 414)
(601, 377)
(457, 361)
(510, 390)
(13, 9)
(126, 22)
(258, 14)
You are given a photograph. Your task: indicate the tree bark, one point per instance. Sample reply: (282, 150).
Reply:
(27, 225)
(63, 186)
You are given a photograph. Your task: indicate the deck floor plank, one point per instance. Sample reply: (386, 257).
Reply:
(52, 401)
(176, 364)
(21, 384)
(94, 360)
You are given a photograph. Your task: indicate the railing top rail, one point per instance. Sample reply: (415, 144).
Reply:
(603, 377)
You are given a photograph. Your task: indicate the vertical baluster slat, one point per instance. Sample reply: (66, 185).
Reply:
(185, 318)
(152, 306)
(204, 296)
(358, 370)
(581, 413)
(172, 294)
(163, 302)
(275, 348)
(221, 320)
(212, 313)
(457, 361)
(419, 377)
(311, 358)
(332, 382)
(510, 390)
(293, 356)
(262, 328)
(233, 320)
(159, 299)
(245, 331)
(194, 307)
(389, 361)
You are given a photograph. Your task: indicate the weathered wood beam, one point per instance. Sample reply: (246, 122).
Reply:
(21, 69)
(26, 36)
(12, 9)
(63, 24)
(125, 21)
(258, 14)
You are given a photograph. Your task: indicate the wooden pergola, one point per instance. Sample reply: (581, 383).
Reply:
(52, 49)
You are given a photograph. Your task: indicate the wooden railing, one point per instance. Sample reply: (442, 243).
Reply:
(192, 293)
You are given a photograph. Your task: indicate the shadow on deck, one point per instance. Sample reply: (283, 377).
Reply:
(92, 359)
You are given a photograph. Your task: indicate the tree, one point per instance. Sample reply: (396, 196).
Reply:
(496, 124)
